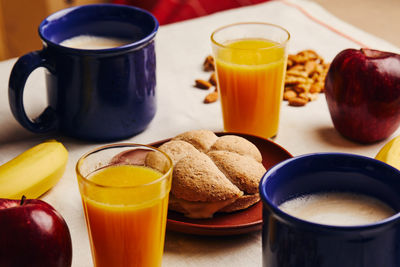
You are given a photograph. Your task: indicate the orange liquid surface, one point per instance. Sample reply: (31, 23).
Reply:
(132, 233)
(250, 78)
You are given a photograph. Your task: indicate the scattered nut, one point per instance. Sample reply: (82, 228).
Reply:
(317, 87)
(289, 94)
(297, 101)
(297, 73)
(208, 64)
(202, 84)
(305, 77)
(292, 80)
(213, 79)
(211, 97)
(302, 88)
(310, 66)
(303, 56)
(289, 63)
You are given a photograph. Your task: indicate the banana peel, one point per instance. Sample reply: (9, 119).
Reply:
(33, 172)
(390, 153)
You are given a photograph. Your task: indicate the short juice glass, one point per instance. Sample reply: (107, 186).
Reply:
(250, 63)
(125, 202)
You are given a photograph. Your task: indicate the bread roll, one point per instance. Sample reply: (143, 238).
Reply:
(237, 144)
(176, 150)
(211, 174)
(197, 178)
(200, 139)
(243, 171)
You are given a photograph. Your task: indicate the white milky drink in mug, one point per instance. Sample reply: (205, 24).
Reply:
(337, 208)
(94, 42)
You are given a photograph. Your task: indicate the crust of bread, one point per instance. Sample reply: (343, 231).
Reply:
(238, 145)
(197, 178)
(175, 149)
(242, 171)
(196, 209)
(241, 203)
(200, 139)
(157, 160)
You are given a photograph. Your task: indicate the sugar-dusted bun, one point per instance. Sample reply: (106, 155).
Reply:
(243, 171)
(241, 203)
(200, 139)
(197, 178)
(237, 144)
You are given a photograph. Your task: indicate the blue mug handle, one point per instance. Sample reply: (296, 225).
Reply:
(47, 121)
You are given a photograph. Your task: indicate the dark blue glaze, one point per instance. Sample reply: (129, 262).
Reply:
(101, 95)
(291, 242)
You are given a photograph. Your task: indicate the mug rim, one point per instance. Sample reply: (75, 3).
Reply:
(317, 226)
(134, 45)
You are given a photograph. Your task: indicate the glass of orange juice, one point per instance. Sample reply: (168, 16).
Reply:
(125, 201)
(250, 60)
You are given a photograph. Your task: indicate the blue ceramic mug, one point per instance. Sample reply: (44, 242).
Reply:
(100, 95)
(291, 242)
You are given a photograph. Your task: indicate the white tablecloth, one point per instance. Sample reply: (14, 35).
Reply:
(181, 49)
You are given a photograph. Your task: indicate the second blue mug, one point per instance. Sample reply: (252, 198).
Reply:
(99, 95)
(288, 241)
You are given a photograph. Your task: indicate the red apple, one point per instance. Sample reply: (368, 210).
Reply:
(362, 89)
(33, 233)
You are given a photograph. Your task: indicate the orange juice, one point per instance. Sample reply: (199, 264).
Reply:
(250, 74)
(126, 221)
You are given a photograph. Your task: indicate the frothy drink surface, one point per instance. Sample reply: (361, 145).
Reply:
(94, 42)
(335, 208)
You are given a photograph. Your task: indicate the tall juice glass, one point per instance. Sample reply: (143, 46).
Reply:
(250, 63)
(125, 202)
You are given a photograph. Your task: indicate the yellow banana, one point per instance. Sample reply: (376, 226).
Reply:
(33, 172)
(390, 153)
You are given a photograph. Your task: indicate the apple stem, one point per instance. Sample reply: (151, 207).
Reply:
(22, 200)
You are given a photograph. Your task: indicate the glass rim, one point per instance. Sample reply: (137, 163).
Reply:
(98, 149)
(249, 23)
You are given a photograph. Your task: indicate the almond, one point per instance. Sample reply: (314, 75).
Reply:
(208, 64)
(297, 102)
(211, 97)
(213, 79)
(201, 84)
(289, 94)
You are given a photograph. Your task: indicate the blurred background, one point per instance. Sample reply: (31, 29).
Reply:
(19, 19)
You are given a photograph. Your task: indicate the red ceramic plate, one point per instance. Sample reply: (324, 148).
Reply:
(240, 222)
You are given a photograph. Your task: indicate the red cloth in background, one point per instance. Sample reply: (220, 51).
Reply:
(169, 11)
